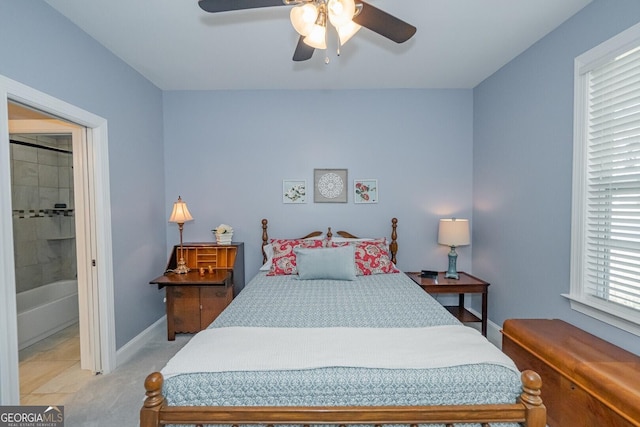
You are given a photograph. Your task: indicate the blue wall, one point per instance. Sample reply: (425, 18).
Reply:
(227, 153)
(42, 49)
(523, 139)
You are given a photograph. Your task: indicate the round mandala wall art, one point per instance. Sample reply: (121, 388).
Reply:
(330, 185)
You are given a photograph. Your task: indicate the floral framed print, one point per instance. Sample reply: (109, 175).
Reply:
(294, 191)
(365, 191)
(330, 185)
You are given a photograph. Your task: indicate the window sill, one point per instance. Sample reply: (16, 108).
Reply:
(627, 320)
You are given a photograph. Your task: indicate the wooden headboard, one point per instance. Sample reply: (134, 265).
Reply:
(393, 245)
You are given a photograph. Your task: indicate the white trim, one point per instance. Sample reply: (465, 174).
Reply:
(598, 310)
(579, 188)
(494, 334)
(613, 314)
(608, 50)
(9, 378)
(97, 135)
(138, 343)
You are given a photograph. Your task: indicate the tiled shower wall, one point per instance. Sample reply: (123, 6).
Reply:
(43, 235)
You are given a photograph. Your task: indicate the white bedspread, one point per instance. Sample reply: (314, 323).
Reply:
(266, 349)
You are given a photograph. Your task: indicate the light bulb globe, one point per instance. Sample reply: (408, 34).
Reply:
(341, 12)
(303, 18)
(317, 37)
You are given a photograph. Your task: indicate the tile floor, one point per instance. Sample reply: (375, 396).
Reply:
(50, 369)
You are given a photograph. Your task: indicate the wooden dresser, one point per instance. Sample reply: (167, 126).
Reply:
(586, 381)
(195, 299)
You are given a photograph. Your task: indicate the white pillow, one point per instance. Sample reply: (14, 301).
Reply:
(268, 251)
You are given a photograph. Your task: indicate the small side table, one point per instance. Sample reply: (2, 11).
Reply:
(467, 284)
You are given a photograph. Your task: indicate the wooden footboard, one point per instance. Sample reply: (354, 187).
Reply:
(529, 411)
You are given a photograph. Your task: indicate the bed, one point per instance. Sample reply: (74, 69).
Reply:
(313, 339)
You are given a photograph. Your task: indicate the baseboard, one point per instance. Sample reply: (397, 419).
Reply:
(493, 330)
(127, 351)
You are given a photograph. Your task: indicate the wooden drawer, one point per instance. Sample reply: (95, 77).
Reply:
(212, 301)
(184, 302)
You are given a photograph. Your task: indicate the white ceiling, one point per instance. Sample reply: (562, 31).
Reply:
(178, 46)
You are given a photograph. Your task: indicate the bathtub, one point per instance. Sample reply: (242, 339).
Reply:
(46, 310)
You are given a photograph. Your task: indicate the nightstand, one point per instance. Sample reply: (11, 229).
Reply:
(467, 284)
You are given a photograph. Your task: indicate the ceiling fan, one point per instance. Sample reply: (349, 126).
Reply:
(310, 18)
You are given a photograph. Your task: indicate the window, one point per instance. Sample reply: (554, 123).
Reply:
(605, 246)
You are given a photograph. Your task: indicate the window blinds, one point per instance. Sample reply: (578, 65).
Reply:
(613, 181)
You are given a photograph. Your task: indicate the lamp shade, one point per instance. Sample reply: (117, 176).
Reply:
(454, 232)
(317, 37)
(303, 17)
(346, 31)
(180, 212)
(341, 12)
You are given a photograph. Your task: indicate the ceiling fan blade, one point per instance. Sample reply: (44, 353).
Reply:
(384, 24)
(303, 51)
(214, 6)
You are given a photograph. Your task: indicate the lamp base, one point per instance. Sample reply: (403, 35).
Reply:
(182, 267)
(452, 272)
(449, 275)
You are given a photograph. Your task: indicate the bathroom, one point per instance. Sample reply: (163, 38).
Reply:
(45, 266)
(43, 235)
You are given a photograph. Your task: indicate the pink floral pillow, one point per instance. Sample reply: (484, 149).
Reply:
(371, 257)
(284, 258)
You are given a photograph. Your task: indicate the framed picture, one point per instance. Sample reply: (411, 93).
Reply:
(294, 191)
(365, 191)
(330, 185)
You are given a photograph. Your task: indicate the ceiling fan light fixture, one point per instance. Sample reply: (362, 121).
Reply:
(303, 18)
(341, 12)
(346, 16)
(345, 32)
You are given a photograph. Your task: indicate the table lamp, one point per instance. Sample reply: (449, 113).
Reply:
(180, 215)
(453, 232)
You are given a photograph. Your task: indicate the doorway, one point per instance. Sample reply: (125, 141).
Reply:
(93, 236)
(50, 289)
(44, 237)
(44, 233)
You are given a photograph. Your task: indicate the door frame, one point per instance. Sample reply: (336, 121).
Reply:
(98, 167)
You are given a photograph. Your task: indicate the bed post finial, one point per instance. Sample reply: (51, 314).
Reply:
(154, 400)
(265, 239)
(153, 386)
(531, 385)
(393, 246)
(530, 397)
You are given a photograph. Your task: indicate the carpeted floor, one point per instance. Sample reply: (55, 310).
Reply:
(115, 399)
